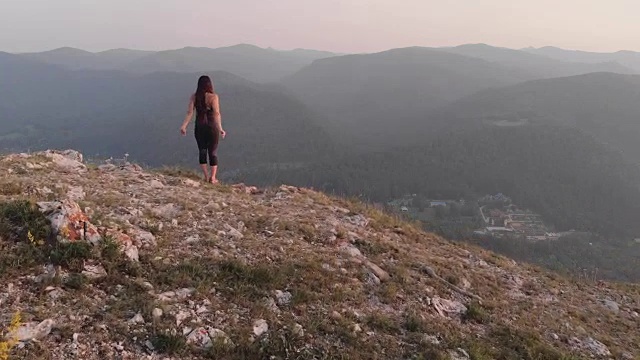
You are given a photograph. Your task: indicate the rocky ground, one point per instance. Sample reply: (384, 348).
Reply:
(115, 262)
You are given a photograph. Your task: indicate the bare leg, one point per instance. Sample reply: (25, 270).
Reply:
(204, 171)
(214, 171)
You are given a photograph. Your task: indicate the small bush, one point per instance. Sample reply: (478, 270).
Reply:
(476, 313)
(71, 255)
(414, 323)
(75, 281)
(19, 218)
(383, 322)
(169, 344)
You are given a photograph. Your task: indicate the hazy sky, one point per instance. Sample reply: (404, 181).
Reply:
(337, 25)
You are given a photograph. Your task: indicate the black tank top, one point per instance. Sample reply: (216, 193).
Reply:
(204, 117)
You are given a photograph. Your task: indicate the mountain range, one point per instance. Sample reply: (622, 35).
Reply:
(556, 133)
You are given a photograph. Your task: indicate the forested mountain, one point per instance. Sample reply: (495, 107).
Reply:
(605, 105)
(386, 98)
(248, 61)
(537, 66)
(76, 59)
(572, 180)
(630, 59)
(110, 113)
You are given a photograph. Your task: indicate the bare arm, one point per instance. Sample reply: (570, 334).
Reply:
(188, 116)
(217, 117)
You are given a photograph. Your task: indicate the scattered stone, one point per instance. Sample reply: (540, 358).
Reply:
(67, 161)
(356, 328)
(142, 238)
(381, 274)
(260, 327)
(298, 330)
(459, 354)
(49, 273)
(137, 319)
(176, 295)
(156, 313)
(190, 183)
(595, 347)
(76, 193)
(181, 317)
(94, 271)
(358, 220)
(199, 338)
(430, 339)
(156, 184)
(283, 298)
(447, 308)
(612, 306)
(68, 221)
(167, 211)
(32, 331)
(351, 250)
(233, 232)
(371, 279)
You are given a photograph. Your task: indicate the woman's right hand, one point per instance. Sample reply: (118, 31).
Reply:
(183, 130)
(223, 133)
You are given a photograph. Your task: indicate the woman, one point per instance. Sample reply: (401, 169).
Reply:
(208, 125)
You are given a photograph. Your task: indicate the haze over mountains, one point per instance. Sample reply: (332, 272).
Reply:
(557, 132)
(248, 61)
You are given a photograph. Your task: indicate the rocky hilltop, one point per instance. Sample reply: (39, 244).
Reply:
(112, 261)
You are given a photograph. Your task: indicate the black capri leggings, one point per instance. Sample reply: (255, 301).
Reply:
(207, 138)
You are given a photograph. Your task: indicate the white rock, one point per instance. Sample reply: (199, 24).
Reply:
(200, 338)
(283, 298)
(131, 251)
(377, 270)
(142, 238)
(298, 330)
(181, 317)
(167, 211)
(156, 313)
(94, 271)
(351, 250)
(233, 232)
(76, 193)
(156, 184)
(447, 308)
(220, 336)
(32, 331)
(137, 319)
(612, 306)
(191, 183)
(260, 327)
(459, 354)
(430, 339)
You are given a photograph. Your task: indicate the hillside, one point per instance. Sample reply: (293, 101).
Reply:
(561, 173)
(603, 105)
(629, 59)
(537, 66)
(112, 113)
(386, 98)
(189, 270)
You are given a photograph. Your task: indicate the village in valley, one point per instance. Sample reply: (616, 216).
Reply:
(494, 216)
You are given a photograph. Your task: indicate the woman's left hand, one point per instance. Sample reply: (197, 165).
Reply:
(223, 133)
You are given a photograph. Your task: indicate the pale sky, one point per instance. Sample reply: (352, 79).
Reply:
(335, 25)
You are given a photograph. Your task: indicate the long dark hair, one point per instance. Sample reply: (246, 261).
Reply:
(205, 85)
